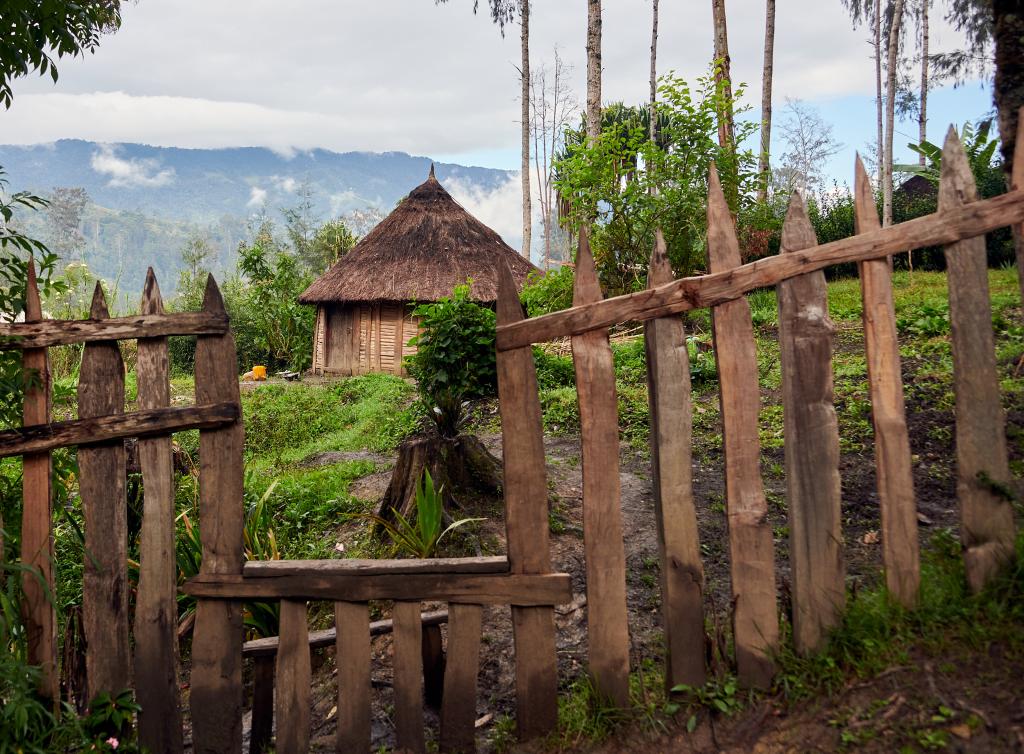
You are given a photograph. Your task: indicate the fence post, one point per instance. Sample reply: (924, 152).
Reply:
(352, 655)
(812, 443)
(101, 483)
(682, 572)
(900, 548)
(458, 703)
(293, 681)
(604, 551)
(216, 696)
(983, 474)
(156, 608)
(1017, 183)
(756, 624)
(526, 522)
(407, 653)
(37, 513)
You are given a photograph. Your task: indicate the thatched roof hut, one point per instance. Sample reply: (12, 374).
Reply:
(428, 245)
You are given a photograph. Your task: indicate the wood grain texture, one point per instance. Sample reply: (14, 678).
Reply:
(294, 681)
(56, 332)
(458, 709)
(371, 567)
(607, 618)
(943, 227)
(526, 522)
(756, 625)
(484, 589)
(37, 585)
(262, 704)
(408, 679)
(156, 604)
(144, 423)
(353, 661)
(101, 482)
(811, 444)
(1017, 184)
(267, 646)
(216, 694)
(682, 572)
(900, 548)
(987, 525)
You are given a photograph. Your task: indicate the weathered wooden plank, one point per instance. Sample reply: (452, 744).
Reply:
(262, 704)
(526, 522)
(369, 567)
(756, 623)
(812, 443)
(267, 646)
(408, 678)
(682, 572)
(900, 549)
(41, 438)
(353, 661)
(294, 680)
(1017, 184)
(216, 695)
(156, 605)
(101, 483)
(943, 227)
(484, 589)
(607, 618)
(458, 709)
(58, 332)
(37, 513)
(986, 514)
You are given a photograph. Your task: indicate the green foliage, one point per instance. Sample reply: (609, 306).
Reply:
(455, 357)
(979, 144)
(422, 537)
(927, 320)
(609, 182)
(330, 242)
(719, 695)
(37, 32)
(553, 371)
(547, 292)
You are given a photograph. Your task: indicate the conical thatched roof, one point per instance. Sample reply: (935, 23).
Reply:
(420, 252)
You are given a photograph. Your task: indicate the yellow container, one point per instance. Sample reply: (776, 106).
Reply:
(259, 372)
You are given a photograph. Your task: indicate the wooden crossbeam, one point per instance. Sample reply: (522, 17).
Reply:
(63, 332)
(39, 438)
(944, 227)
(262, 569)
(480, 589)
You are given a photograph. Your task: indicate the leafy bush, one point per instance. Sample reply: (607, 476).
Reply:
(927, 320)
(454, 350)
(552, 370)
(630, 361)
(547, 292)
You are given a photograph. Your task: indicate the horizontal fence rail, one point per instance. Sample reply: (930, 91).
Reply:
(943, 227)
(63, 332)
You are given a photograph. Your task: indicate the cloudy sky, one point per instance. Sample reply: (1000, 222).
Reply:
(432, 80)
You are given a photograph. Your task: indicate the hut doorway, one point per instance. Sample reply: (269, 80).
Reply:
(368, 337)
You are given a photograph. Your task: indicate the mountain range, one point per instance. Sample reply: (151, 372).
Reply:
(145, 201)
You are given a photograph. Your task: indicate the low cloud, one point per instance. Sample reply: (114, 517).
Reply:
(131, 173)
(499, 208)
(286, 183)
(257, 197)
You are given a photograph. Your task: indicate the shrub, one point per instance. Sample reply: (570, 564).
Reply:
(455, 349)
(630, 361)
(552, 370)
(548, 292)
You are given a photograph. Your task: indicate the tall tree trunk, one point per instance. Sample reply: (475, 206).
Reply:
(524, 14)
(726, 129)
(1008, 21)
(652, 127)
(890, 108)
(879, 99)
(764, 163)
(593, 69)
(922, 117)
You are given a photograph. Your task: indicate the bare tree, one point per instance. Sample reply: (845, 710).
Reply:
(652, 128)
(890, 108)
(922, 114)
(553, 107)
(764, 162)
(726, 128)
(810, 142)
(64, 212)
(593, 69)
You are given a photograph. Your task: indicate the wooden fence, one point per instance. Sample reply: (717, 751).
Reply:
(523, 579)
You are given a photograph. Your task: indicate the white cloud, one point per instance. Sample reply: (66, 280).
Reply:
(257, 197)
(500, 209)
(131, 172)
(286, 183)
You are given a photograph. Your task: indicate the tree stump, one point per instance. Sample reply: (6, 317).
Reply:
(461, 465)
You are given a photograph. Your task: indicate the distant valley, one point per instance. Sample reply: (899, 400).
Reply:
(146, 202)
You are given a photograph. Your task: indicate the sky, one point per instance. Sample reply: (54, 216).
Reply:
(433, 80)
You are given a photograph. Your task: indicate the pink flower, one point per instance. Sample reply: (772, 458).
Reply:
(113, 743)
